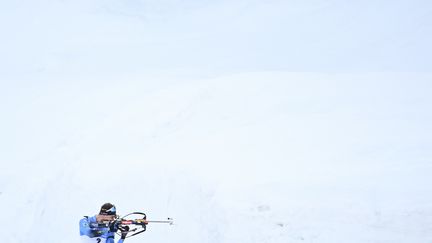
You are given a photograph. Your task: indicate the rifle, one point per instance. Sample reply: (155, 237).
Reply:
(137, 226)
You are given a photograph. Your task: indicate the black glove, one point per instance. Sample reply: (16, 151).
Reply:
(114, 225)
(124, 231)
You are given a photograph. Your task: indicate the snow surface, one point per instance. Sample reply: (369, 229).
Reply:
(259, 157)
(245, 121)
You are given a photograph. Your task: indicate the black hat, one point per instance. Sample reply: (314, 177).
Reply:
(108, 209)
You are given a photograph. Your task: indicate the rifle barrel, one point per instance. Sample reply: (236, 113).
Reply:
(159, 221)
(140, 221)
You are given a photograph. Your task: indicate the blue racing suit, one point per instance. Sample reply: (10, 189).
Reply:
(92, 231)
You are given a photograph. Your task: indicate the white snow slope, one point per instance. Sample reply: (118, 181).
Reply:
(245, 121)
(259, 157)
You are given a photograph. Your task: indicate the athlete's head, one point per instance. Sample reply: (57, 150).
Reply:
(108, 209)
(107, 213)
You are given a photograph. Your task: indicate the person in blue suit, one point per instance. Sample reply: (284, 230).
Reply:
(100, 228)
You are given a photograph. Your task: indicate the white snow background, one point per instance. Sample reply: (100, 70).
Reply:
(245, 121)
